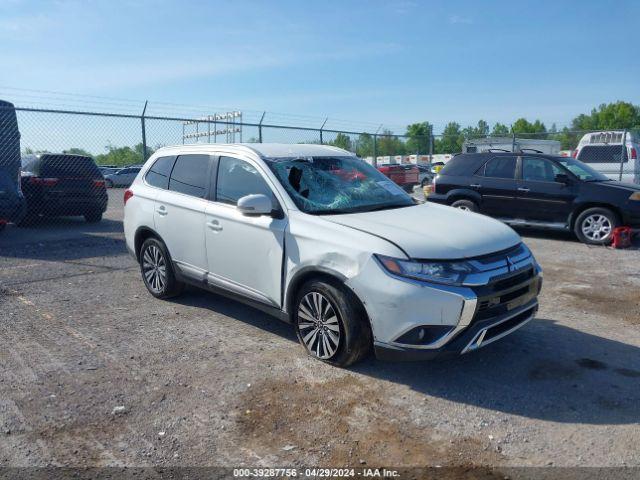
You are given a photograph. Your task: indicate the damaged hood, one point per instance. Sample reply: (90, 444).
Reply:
(435, 232)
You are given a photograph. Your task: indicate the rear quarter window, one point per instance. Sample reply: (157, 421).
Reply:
(462, 165)
(159, 173)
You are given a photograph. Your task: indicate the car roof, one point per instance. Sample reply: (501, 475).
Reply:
(268, 150)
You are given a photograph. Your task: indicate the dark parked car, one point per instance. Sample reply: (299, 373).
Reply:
(11, 199)
(63, 185)
(538, 190)
(12, 204)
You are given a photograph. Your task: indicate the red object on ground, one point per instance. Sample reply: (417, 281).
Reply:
(621, 237)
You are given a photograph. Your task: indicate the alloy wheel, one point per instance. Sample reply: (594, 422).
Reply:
(596, 227)
(154, 268)
(318, 325)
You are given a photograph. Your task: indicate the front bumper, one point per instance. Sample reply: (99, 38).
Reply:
(420, 320)
(478, 334)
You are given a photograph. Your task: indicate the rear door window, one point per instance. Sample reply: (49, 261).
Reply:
(158, 174)
(189, 175)
(500, 167)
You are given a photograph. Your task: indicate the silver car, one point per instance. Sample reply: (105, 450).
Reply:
(122, 178)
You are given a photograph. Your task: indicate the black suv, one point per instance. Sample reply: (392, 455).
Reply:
(63, 185)
(538, 190)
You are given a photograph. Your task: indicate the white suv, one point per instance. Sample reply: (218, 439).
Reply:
(320, 239)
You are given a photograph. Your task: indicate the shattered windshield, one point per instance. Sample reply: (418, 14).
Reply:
(331, 185)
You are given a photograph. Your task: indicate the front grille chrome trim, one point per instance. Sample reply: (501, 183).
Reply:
(478, 339)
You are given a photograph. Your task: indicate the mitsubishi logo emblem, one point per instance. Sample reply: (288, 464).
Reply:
(509, 264)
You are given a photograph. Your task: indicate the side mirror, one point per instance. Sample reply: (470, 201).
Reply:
(255, 205)
(562, 178)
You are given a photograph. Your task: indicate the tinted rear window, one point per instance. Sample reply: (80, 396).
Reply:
(601, 154)
(461, 165)
(189, 175)
(67, 166)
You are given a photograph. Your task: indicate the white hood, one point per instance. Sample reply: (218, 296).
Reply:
(432, 231)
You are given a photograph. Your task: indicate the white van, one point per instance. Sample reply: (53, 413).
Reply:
(603, 152)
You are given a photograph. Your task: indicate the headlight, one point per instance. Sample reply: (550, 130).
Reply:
(635, 196)
(448, 273)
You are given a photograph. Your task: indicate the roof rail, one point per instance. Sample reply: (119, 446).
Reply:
(531, 150)
(495, 150)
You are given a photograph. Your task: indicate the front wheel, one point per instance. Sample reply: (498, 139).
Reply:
(331, 324)
(157, 270)
(595, 226)
(467, 205)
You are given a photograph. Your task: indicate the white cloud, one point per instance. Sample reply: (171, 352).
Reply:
(460, 20)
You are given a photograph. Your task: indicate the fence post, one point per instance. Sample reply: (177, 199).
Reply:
(375, 149)
(144, 133)
(623, 152)
(430, 143)
(513, 142)
(323, 124)
(260, 127)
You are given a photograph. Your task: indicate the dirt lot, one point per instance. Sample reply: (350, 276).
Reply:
(206, 381)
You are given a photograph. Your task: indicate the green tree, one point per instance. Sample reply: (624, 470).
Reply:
(388, 144)
(364, 145)
(418, 137)
(499, 130)
(479, 131)
(342, 141)
(122, 156)
(610, 116)
(77, 151)
(451, 139)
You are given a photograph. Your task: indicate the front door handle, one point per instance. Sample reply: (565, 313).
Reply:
(162, 211)
(214, 225)
(475, 185)
(523, 189)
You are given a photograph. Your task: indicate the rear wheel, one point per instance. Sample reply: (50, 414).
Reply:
(157, 270)
(331, 324)
(93, 217)
(468, 205)
(595, 226)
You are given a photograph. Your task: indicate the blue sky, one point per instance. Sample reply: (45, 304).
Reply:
(391, 62)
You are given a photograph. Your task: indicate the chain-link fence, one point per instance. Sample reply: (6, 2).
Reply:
(64, 162)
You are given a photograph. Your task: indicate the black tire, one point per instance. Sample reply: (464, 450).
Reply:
(595, 226)
(168, 286)
(468, 205)
(93, 217)
(353, 330)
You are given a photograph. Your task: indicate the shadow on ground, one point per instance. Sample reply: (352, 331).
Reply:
(62, 239)
(545, 370)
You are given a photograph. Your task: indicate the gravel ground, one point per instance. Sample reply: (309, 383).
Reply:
(96, 372)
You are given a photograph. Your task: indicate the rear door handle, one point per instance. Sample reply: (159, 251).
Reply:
(522, 189)
(162, 211)
(214, 225)
(475, 185)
